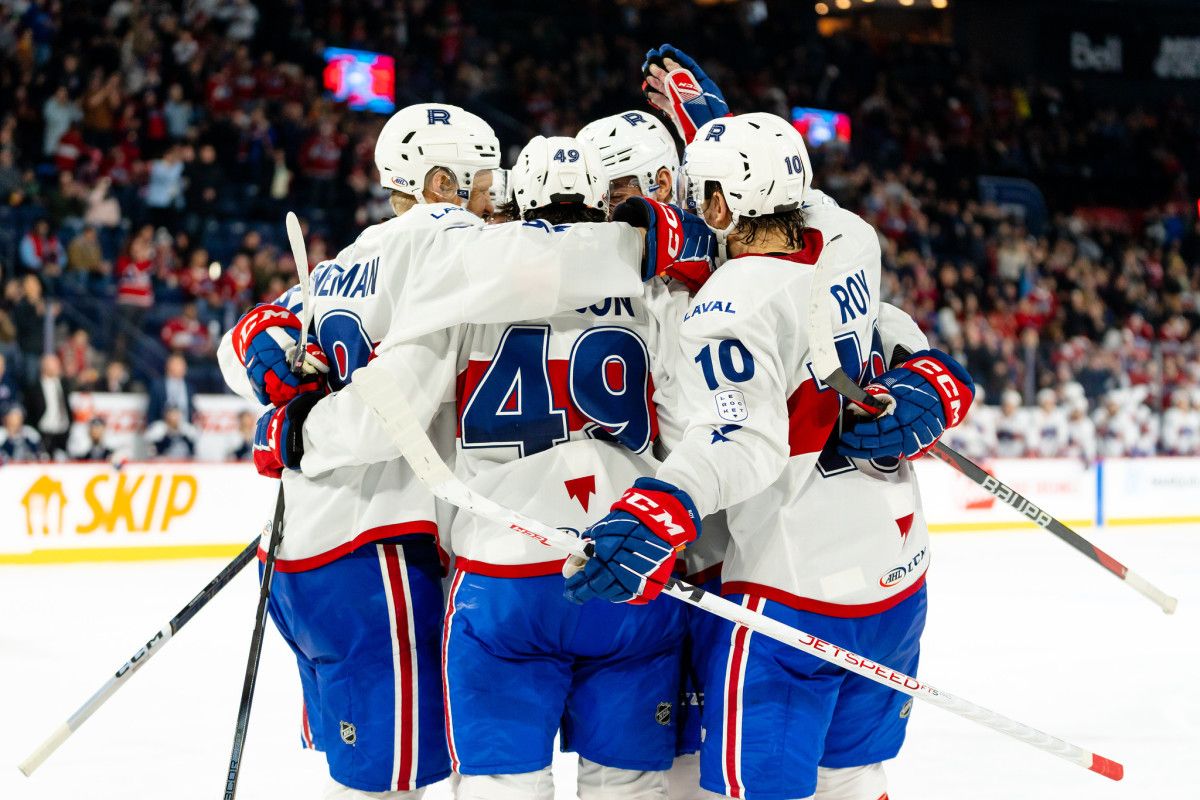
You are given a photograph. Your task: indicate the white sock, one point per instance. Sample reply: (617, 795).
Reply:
(598, 782)
(519, 786)
(337, 791)
(852, 783)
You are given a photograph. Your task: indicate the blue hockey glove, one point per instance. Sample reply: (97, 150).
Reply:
(678, 244)
(674, 84)
(932, 393)
(636, 544)
(264, 340)
(278, 436)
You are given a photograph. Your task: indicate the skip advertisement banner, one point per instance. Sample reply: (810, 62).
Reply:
(97, 512)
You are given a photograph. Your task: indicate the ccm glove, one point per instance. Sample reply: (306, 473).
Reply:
(674, 84)
(678, 244)
(279, 436)
(931, 393)
(636, 544)
(265, 341)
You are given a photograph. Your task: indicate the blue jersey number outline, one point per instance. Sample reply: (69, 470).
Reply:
(345, 342)
(533, 423)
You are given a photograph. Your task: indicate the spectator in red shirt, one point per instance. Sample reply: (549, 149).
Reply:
(187, 334)
(79, 359)
(195, 280)
(219, 93)
(235, 282)
(70, 150)
(135, 290)
(320, 158)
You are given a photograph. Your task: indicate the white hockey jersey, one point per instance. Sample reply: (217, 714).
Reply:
(809, 527)
(1081, 438)
(1012, 433)
(1181, 431)
(1117, 432)
(1048, 432)
(432, 268)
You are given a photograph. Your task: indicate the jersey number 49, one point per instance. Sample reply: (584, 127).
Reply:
(528, 401)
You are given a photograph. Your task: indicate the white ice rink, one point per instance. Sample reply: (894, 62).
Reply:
(1018, 622)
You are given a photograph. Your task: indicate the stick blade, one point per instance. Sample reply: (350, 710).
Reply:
(1110, 769)
(296, 239)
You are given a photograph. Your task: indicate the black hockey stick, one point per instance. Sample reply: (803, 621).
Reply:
(1010, 496)
(256, 643)
(828, 368)
(296, 240)
(144, 654)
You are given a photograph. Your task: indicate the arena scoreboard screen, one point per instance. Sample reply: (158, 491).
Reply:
(363, 80)
(820, 125)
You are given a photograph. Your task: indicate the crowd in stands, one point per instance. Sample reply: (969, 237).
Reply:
(148, 151)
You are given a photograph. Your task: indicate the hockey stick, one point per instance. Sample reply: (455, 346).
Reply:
(828, 367)
(144, 654)
(300, 254)
(384, 395)
(1005, 493)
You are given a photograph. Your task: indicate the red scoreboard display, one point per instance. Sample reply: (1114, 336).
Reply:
(363, 80)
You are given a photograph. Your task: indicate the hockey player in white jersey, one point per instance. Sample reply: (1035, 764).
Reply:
(566, 404)
(1117, 429)
(641, 159)
(1181, 425)
(1081, 431)
(1013, 434)
(638, 154)
(826, 524)
(1048, 429)
(358, 593)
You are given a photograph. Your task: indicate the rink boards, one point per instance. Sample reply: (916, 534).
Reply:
(146, 510)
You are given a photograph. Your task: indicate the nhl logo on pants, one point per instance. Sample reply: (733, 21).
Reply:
(662, 714)
(349, 733)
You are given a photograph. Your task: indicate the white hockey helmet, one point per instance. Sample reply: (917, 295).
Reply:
(757, 164)
(420, 137)
(793, 135)
(558, 169)
(633, 144)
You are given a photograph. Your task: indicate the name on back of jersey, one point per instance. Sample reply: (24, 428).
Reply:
(331, 279)
(853, 296)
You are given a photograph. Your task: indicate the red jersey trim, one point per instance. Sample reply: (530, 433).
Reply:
(813, 243)
(420, 527)
(539, 570)
(820, 606)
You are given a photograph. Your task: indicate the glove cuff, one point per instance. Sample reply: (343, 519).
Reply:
(634, 211)
(257, 320)
(949, 379)
(291, 450)
(664, 509)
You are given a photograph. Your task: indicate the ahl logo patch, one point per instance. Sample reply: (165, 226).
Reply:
(349, 733)
(662, 714)
(906, 709)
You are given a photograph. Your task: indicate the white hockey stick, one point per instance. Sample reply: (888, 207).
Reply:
(300, 256)
(385, 396)
(828, 367)
(147, 651)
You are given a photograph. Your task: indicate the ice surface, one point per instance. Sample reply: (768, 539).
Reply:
(1019, 623)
